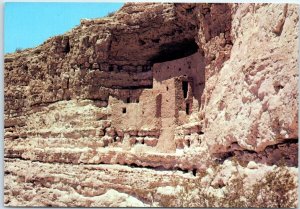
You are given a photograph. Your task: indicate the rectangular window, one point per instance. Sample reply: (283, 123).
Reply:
(187, 108)
(185, 88)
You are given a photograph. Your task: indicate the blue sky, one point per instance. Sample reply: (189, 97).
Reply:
(29, 24)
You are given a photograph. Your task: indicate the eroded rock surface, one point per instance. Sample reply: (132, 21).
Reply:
(157, 92)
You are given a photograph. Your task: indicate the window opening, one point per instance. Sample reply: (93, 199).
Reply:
(185, 87)
(187, 108)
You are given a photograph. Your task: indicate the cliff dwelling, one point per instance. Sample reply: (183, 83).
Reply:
(154, 105)
(176, 91)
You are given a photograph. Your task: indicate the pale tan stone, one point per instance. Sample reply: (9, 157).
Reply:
(120, 91)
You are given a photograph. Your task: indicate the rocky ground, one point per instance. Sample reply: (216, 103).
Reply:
(64, 145)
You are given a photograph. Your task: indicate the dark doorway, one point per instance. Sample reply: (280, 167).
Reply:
(187, 108)
(185, 88)
(158, 106)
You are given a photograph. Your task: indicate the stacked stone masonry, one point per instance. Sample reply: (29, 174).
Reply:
(155, 88)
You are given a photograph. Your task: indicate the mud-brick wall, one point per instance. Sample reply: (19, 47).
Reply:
(191, 67)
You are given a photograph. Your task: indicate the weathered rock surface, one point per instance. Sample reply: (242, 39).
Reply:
(124, 110)
(254, 95)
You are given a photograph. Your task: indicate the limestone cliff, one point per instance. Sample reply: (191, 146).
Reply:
(120, 110)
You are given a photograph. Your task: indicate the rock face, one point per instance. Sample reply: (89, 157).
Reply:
(254, 95)
(157, 91)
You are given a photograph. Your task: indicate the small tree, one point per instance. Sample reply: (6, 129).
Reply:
(18, 49)
(276, 189)
(110, 14)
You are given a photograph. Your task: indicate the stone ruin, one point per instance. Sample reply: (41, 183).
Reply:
(151, 116)
(154, 93)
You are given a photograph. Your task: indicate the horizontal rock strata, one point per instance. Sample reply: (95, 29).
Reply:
(127, 110)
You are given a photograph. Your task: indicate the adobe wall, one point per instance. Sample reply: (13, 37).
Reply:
(187, 67)
(133, 115)
(168, 78)
(176, 94)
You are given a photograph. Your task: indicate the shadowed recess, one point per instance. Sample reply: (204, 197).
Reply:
(174, 51)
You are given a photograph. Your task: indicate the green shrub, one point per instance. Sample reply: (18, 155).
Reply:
(18, 49)
(275, 189)
(110, 14)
